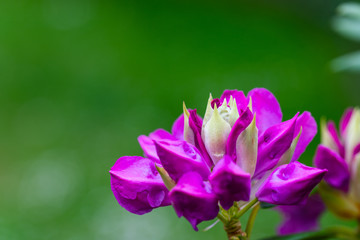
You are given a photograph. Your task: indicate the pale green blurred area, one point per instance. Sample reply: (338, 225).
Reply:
(80, 80)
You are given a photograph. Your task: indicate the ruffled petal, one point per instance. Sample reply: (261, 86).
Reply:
(195, 123)
(148, 146)
(301, 218)
(338, 174)
(273, 144)
(177, 129)
(239, 96)
(229, 182)
(240, 125)
(137, 185)
(307, 124)
(290, 184)
(266, 107)
(193, 199)
(335, 138)
(179, 157)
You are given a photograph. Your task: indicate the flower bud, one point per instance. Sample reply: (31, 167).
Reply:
(215, 134)
(247, 148)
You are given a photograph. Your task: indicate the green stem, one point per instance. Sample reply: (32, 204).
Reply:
(221, 217)
(246, 207)
(251, 220)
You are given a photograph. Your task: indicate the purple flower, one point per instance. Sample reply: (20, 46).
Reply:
(339, 154)
(301, 218)
(239, 151)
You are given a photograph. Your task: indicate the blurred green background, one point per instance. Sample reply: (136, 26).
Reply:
(81, 79)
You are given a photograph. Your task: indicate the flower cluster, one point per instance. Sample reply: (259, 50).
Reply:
(339, 153)
(239, 152)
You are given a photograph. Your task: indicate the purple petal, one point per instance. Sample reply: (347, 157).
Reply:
(309, 129)
(345, 120)
(148, 146)
(290, 184)
(239, 96)
(147, 143)
(240, 125)
(273, 144)
(333, 133)
(356, 150)
(177, 129)
(338, 174)
(137, 185)
(161, 134)
(301, 218)
(230, 182)
(193, 199)
(195, 123)
(266, 107)
(216, 102)
(179, 157)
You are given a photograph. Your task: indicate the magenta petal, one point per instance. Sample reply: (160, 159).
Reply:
(333, 133)
(240, 125)
(179, 157)
(266, 107)
(229, 182)
(148, 146)
(161, 134)
(273, 144)
(290, 184)
(301, 218)
(338, 174)
(345, 120)
(193, 199)
(356, 150)
(195, 123)
(177, 129)
(137, 186)
(309, 129)
(239, 96)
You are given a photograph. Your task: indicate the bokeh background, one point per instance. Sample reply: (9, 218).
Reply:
(81, 79)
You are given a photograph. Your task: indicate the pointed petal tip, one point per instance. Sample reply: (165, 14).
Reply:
(186, 112)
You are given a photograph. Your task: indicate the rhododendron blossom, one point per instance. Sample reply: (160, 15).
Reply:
(339, 154)
(239, 152)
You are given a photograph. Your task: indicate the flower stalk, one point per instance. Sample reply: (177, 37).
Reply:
(231, 221)
(251, 220)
